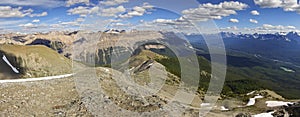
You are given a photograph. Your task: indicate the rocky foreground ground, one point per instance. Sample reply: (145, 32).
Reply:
(68, 97)
(42, 98)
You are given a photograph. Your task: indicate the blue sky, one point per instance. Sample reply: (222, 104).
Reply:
(267, 16)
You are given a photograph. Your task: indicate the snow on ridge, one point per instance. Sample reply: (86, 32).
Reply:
(252, 92)
(223, 108)
(269, 114)
(277, 103)
(36, 79)
(252, 100)
(11, 66)
(205, 104)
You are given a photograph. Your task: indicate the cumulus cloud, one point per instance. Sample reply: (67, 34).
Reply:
(113, 2)
(164, 21)
(76, 22)
(80, 19)
(290, 27)
(254, 12)
(229, 29)
(269, 3)
(112, 11)
(35, 20)
(72, 23)
(213, 11)
(265, 28)
(40, 3)
(39, 15)
(276, 27)
(253, 21)
(28, 25)
(286, 5)
(268, 28)
(234, 20)
(9, 12)
(203, 13)
(83, 11)
(73, 2)
(10, 23)
(67, 24)
(137, 11)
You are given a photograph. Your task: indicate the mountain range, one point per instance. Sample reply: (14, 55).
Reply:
(283, 47)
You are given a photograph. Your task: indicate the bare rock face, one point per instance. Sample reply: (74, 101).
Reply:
(100, 48)
(279, 113)
(293, 110)
(146, 65)
(34, 61)
(243, 115)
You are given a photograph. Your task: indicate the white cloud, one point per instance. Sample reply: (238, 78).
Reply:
(229, 29)
(268, 3)
(73, 2)
(163, 21)
(286, 5)
(76, 22)
(36, 20)
(112, 11)
(40, 3)
(83, 11)
(290, 27)
(119, 25)
(203, 13)
(137, 11)
(80, 19)
(72, 23)
(268, 28)
(254, 12)
(28, 25)
(39, 15)
(265, 29)
(11, 23)
(113, 2)
(8, 12)
(253, 21)
(276, 27)
(213, 11)
(234, 20)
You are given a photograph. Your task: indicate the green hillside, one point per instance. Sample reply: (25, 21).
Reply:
(33, 61)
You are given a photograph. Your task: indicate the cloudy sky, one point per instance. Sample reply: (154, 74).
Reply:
(247, 16)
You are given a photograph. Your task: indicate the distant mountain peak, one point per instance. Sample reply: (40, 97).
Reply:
(285, 36)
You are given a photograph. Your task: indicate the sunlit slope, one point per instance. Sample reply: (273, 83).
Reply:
(32, 61)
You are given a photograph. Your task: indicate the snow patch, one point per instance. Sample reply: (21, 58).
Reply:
(269, 114)
(277, 103)
(106, 70)
(252, 100)
(36, 79)
(8, 63)
(223, 108)
(252, 92)
(287, 70)
(205, 104)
